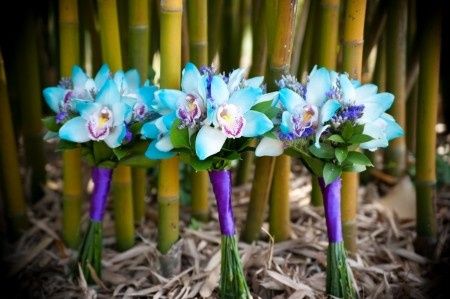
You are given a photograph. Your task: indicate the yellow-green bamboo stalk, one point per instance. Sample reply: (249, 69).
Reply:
(395, 155)
(426, 147)
(326, 49)
(279, 214)
(300, 29)
(258, 67)
(412, 97)
(29, 95)
(214, 27)
(305, 54)
(352, 63)
(72, 179)
(91, 54)
(123, 207)
(231, 36)
(138, 37)
(14, 199)
(168, 179)
(121, 189)
(198, 46)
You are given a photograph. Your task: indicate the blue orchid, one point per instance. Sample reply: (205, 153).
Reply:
(229, 116)
(158, 130)
(382, 130)
(140, 98)
(79, 86)
(102, 119)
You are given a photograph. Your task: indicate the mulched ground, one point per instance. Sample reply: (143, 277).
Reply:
(385, 266)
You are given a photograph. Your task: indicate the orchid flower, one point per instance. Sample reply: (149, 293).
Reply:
(158, 130)
(141, 98)
(78, 86)
(229, 116)
(102, 119)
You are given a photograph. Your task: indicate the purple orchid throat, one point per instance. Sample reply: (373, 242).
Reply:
(102, 182)
(190, 112)
(332, 206)
(221, 183)
(61, 116)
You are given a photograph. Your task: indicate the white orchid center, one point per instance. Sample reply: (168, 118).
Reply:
(230, 120)
(100, 123)
(305, 120)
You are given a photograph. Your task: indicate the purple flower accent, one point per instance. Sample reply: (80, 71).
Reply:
(334, 93)
(128, 135)
(66, 83)
(190, 112)
(289, 136)
(61, 116)
(349, 113)
(289, 81)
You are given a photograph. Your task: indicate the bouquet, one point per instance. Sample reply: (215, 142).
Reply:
(102, 116)
(323, 122)
(209, 123)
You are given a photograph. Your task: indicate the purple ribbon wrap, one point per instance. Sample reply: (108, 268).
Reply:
(221, 183)
(332, 205)
(102, 182)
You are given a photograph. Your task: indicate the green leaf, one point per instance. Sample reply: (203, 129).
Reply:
(354, 168)
(336, 138)
(107, 164)
(136, 128)
(179, 137)
(102, 152)
(347, 131)
(341, 154)
(358, 158)
(358, 129)
(359, 138)
(197, 164)
(325, 151)
(139, 161)
(50, 124)
(266, 108)
(331, 172)
(120, 152)
(66, 145)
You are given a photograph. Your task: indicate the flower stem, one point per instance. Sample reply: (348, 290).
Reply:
(352, 63)
(9, 164)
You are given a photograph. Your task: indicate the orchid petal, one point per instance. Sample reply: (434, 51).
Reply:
(255, 81)
(109, 94)
(150, 130)
(219, 91)
(86, 109)
(190, 78)
(209, 141)
(133, 79)
(53, 96)
(170, 98)
(245, 98)
(269, 147)
(290, 99)
(319, 133)
(102, 76)
(155, 154)
(121, 112)
(318, 86)
(328, 110)
(116, 135)
(78, 77)
(74, 130)
(375, 106)
(256, 124)
(164, 144)
(235, 78)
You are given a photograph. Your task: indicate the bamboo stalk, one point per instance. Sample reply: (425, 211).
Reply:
(352, 63)
(138, 33)
(122, 191)
(185, 40)
(305, 54)
(426, 148)
(72, 179)
(326, 49)
(215, 20)
(230, 51)
(168, 179)
(279, 214)
(395, 155)
(14, 198)
(29, 95)
(258, 66)
(373, 31)
(91, 54)
(198, 46)
(412, 97)
(300, 29)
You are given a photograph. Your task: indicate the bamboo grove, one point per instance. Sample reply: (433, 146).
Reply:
(395, 44)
